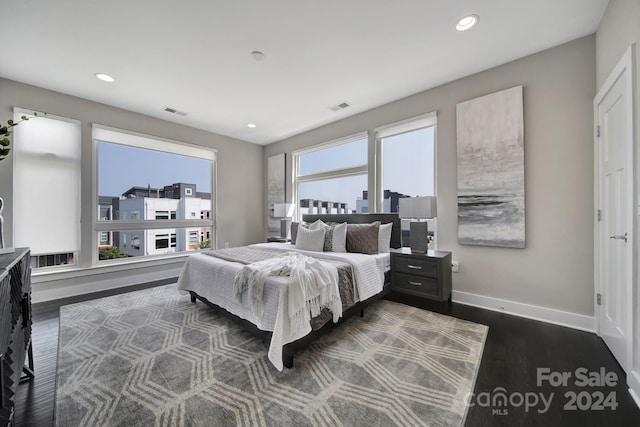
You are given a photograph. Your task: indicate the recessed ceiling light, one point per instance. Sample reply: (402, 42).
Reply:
(257, 55)
(467, 22)
(105, 77)
(251, 125)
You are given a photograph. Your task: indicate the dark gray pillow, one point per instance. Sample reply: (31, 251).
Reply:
(363, 238)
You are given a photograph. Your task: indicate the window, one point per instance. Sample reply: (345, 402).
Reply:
(135, 241)
(46, 183)
(162, 215)
(40, 261)
(162, 241)
(104, 238)
(152, 212)
(193, 237)
(406, 146)
(337, 177)
(332, 178)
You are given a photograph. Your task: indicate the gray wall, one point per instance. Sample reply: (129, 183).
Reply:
(239, 174)
(556, 268)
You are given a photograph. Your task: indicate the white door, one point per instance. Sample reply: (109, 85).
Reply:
(614, 200)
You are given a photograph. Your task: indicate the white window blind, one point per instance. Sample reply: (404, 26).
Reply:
(408, 125)
(46, 202)
(133, 139)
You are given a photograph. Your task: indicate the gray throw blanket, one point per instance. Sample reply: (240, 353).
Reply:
(243, 254)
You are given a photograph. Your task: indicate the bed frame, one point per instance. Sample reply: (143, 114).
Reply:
(302, 343)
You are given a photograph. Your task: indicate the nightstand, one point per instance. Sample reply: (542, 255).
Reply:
(422, 275)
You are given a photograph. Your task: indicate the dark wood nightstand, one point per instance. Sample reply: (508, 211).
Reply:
(423, 275)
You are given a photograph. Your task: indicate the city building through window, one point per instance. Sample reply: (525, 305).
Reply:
(153, 206)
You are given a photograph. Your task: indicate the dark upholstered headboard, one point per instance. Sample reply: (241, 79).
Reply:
(384, 218)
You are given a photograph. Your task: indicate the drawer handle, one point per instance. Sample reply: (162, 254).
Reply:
(415, 283)
(414, 267)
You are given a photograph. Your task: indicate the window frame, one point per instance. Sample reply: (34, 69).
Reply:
(108, 134)
(298, 178)
(374, 166)
(395, 129)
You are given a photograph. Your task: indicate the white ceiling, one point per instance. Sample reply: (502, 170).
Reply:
(195, 55)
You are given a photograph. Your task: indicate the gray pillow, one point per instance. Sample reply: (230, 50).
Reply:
(363, 238)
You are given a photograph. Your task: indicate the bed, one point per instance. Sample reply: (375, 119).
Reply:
(209, 277)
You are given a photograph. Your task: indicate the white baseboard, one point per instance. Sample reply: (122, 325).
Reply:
(633, 381)
(549, 315)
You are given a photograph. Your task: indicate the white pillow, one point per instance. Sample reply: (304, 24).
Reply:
(310, 240)
(316, 225)
(384, 238)
(339, 238)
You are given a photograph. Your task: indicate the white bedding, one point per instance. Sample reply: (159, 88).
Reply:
(213, 279)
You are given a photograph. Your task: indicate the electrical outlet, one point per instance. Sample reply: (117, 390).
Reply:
(226, 245)
(455, 266)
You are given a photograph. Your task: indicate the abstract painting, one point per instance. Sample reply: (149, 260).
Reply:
(490, 155)
(275, 188)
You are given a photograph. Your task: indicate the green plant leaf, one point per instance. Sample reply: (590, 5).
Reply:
(4, 151)
(5, 142)
(4, 130)
(10, 122)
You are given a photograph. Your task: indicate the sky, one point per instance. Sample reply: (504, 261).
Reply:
(408, 168)
(121, 167)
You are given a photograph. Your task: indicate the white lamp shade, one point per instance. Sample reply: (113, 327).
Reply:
(417, 207)
(283, 210)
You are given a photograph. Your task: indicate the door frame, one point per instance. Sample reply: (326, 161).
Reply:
(624, 66)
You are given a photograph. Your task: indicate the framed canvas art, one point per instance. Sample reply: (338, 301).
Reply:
(490, 161)
(275, 188)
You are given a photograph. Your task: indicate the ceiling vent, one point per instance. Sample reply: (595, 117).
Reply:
(174, 111)
(340, 106)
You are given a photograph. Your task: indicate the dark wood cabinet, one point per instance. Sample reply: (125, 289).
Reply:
(423, 275)
(15, 327)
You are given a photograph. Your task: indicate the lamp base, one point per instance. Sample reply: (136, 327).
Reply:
(419, 236)
(285, 225)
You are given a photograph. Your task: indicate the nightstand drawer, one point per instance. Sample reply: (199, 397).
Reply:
(420, 266)
(415, 284)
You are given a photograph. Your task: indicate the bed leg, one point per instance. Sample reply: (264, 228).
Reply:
(287, 359)
(193, 297)
(361, 313)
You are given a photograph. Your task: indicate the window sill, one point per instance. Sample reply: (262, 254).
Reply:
(107, 267)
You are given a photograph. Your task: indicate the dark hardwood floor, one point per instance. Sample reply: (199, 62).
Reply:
(514, 351)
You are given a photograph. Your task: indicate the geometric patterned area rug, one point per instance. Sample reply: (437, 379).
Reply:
(153, 358)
